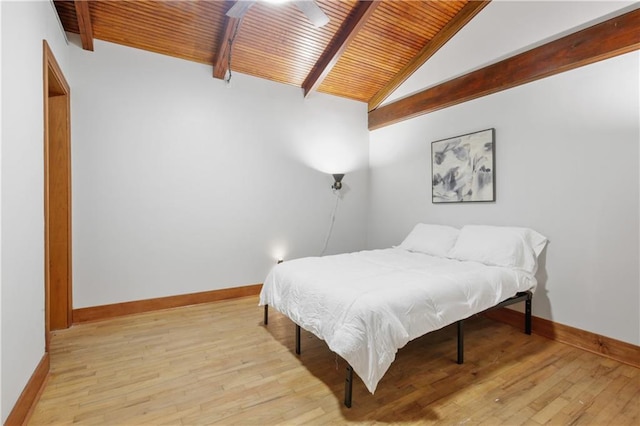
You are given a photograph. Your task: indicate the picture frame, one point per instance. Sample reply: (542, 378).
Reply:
(463, 168)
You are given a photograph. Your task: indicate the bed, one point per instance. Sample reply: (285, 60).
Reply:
(366, 305)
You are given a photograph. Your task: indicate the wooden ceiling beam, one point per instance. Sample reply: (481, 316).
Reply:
(83, 15)
(461, 19)
(345, 35)
(611, 38)
(221, 64)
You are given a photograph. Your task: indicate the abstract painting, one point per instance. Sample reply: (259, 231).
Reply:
(462, 168)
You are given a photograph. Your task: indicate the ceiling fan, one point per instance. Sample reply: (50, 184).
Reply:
(312, 11)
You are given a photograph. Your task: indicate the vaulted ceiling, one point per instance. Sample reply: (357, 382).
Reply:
(365, 51)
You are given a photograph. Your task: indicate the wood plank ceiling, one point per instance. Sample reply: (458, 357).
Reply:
(365, 51)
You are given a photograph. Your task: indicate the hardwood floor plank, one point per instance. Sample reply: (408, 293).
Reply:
(550, 410)
(520, 417)
(217, 364)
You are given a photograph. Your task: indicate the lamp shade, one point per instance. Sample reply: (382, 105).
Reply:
(338, 181)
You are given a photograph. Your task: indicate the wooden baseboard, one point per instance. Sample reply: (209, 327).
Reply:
(31, 394)
(95, 313)
(611, 348)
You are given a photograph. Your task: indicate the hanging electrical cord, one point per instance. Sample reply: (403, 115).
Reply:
(333, 219)
(230, 41)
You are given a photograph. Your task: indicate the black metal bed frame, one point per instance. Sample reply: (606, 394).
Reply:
(524, 296)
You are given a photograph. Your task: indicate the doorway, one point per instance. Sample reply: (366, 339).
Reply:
(57, 197)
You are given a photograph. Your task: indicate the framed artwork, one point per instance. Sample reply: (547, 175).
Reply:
(462, 168)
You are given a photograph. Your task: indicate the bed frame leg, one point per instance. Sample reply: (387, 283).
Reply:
(460, 342)
(527, 315)
(266, 314)
(297, 339)
(348, 386)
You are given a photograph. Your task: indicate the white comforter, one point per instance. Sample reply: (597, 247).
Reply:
(367, 305)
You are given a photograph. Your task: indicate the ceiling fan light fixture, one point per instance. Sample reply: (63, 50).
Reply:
(313, 12)
(309, 8)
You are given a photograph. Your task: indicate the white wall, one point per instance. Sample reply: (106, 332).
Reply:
(183, 184)
(24, 26)
(1, 416)
(567, 166)
(505, 28)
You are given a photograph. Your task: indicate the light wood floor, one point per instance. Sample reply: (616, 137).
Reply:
(217, 364)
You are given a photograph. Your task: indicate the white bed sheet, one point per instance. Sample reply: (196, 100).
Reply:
(366, 305)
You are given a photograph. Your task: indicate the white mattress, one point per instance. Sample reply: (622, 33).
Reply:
(367, 305)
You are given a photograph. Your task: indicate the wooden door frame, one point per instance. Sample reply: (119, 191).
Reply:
(55, 84)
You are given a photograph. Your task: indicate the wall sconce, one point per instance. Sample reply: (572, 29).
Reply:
(338, 181)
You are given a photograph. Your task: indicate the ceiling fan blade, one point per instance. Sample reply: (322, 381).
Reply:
(313, 12)
(239, 8)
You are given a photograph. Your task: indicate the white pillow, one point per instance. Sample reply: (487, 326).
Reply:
(435, 240)
(510, 247)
